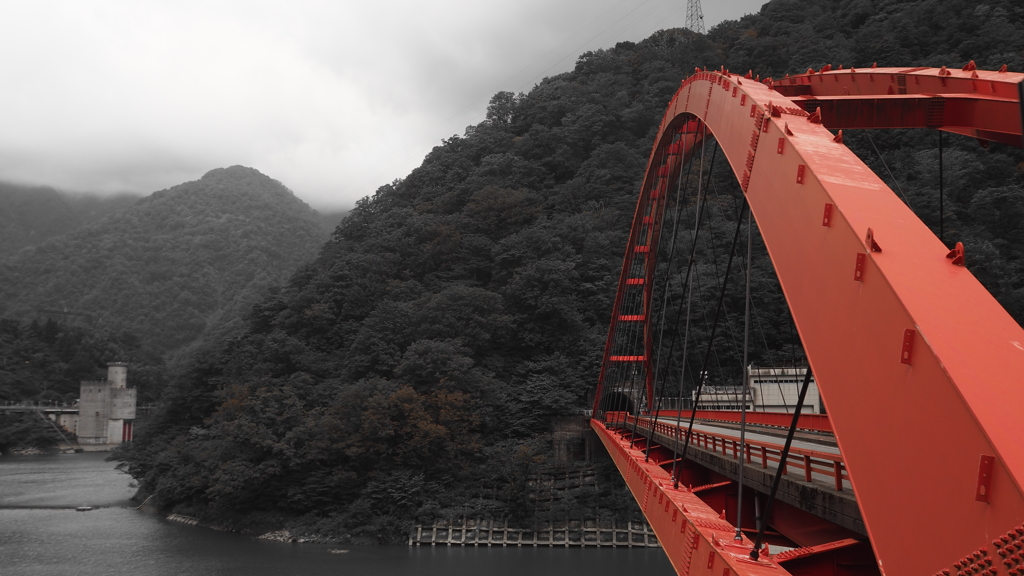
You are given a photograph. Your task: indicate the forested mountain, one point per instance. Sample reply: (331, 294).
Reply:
(176, 267)
(45, 361)
(30, 215)
(453, 313)
(331, 219)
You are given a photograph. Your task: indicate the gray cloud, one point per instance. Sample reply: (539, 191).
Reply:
(331, 98)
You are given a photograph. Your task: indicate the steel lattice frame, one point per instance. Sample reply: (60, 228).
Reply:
(920, 369)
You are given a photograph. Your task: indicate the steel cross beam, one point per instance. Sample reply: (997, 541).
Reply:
(696, 538)
(978, 103)
(629, 346)
(918, 365)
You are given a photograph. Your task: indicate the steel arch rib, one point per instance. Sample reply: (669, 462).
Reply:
(919, 367)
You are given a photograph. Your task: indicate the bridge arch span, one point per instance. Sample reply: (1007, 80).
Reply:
(883, 308)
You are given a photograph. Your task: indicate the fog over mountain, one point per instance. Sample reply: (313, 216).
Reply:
(411, 364)
(415, 368)
(172, 268)
(335, 98)
(30, 215)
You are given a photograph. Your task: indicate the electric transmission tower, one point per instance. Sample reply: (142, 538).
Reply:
(694, 16)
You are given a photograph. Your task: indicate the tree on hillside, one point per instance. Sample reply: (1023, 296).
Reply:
(456, 311)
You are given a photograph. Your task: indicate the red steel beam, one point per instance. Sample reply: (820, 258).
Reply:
(813, 422)
(918, 365)
(767, 454)
(627, 354)
(695, 538)
(978, 103)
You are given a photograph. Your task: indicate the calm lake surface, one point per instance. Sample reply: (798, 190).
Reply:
(41, 533)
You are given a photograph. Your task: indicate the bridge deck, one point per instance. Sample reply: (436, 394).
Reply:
(809, 480)
(769, 436)
(823, 442)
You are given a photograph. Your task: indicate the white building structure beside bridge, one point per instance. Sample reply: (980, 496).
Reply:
(106, 409)
(767, 390)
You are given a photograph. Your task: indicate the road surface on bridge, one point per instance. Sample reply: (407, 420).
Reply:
(755, 437)
(756, 433)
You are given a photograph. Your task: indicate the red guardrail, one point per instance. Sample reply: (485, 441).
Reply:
(809, 461)
(812, 422)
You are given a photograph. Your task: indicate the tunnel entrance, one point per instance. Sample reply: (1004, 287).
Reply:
(618, 402)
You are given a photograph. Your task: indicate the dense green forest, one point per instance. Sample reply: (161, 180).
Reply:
(30, 215)
(44, 362)
(455, 312)
(176, 267)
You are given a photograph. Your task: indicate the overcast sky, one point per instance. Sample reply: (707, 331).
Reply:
(332, 98)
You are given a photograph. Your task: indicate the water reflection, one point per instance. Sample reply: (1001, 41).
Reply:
(47, 539)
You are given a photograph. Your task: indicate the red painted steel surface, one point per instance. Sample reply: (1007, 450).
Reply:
(696, 539)
(912, 414)
(766, 454)
(976, 103)
(813, 422)
(629, 344)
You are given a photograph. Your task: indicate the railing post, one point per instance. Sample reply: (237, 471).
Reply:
(746, 449)
(837, 467)
(764, 457)
(807, 468)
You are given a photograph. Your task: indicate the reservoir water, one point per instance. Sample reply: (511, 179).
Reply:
(42, 534)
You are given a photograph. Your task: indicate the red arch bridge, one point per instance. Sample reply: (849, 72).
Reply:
(926, 482)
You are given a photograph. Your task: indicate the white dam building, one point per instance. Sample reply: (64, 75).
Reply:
(106, 410)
